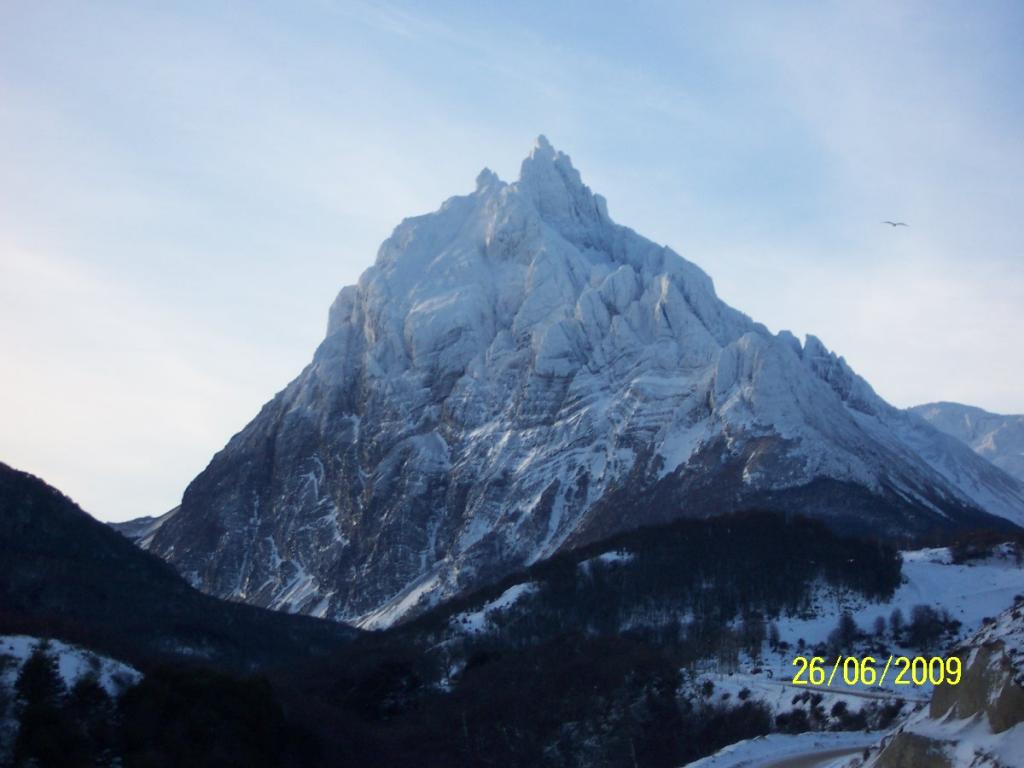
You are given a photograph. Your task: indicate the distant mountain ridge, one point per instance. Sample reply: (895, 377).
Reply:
(516, 375)
(998, 438)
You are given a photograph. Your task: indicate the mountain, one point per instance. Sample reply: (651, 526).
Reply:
(64, 574)
(517, 375)
(998, 438)
(141, 529)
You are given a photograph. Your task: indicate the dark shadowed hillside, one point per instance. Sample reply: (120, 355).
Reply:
(64, 574)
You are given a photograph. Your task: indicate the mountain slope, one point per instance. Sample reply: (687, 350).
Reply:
(518, 374)
(998, 438)
(64, 574)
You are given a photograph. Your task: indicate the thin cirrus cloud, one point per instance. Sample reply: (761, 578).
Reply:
(185, 189)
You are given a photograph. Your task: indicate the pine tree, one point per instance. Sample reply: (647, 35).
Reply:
(753, 633)
(845, 633)
(5, 698)
(39, 682)
(896, 624)
(45, 737)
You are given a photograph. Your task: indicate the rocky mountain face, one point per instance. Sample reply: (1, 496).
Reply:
(517, 374)
(998, 438)
(978, 723)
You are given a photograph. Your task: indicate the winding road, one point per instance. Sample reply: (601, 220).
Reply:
(814, 759)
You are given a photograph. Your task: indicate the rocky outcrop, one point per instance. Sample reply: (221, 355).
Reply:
(518, 374)
(993, 679)
(911, 750)
(977, 723)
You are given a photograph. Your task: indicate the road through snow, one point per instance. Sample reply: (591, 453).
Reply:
(813, 760)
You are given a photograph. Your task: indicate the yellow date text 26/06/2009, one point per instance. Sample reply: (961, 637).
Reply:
(869, 671)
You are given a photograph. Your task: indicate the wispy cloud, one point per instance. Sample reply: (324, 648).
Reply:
(186, 187)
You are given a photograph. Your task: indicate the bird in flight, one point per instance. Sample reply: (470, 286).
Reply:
(895, 223)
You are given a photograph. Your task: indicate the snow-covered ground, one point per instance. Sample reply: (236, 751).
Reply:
(969, 592)
(73, 663)
(475, 622)
(972, 743)
(606, 558)
(775, 747)
(778, 692)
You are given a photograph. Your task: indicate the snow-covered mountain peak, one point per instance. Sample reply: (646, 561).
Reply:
(548, 179)
(517, 374)
(487, 179)
(544, 155)
(536, 264)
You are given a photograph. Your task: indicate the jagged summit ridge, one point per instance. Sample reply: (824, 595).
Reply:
(517, 373)
(556, 189)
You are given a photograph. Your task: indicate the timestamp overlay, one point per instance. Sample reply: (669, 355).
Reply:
(872, 672)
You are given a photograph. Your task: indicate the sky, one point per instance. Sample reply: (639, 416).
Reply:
(185, 187)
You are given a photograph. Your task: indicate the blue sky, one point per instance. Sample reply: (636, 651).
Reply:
(184, 188)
